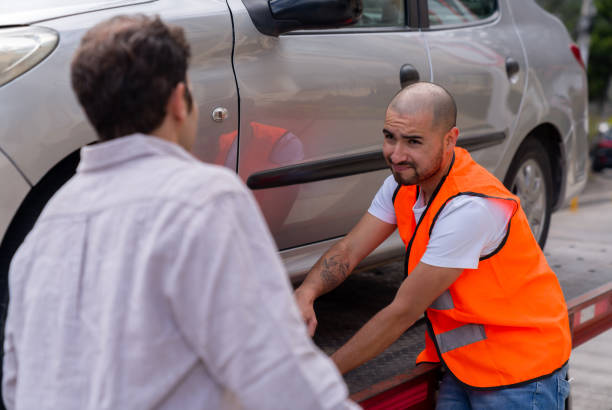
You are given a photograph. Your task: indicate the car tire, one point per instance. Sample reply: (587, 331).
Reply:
(597, 167)
(530, 178)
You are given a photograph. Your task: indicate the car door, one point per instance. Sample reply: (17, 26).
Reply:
(477, 56)
(312, 106)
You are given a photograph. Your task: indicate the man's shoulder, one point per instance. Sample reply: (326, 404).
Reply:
(157, 180)
(468, 209)
(198, 182)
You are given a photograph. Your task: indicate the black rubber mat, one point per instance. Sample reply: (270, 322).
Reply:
(343, 311)
(580, 267)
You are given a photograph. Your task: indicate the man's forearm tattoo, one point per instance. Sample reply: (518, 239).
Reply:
(334, 269)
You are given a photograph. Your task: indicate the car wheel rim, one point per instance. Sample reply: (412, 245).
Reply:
(530, 187)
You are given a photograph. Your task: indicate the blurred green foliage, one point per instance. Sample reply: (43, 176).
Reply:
(600, 59)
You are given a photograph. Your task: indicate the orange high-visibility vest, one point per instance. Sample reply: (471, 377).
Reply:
(504, 323)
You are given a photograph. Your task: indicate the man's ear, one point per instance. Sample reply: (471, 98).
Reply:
(451, 137)
(177, 106)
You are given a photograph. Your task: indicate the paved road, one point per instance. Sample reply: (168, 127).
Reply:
(591, 370)
(580, 246)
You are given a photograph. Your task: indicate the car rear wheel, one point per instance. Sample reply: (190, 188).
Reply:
(530, 178)
(597, 167)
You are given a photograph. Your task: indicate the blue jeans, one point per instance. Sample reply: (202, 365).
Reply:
(545, 394)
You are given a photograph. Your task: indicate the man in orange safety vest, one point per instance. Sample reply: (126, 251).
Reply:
(495, 313)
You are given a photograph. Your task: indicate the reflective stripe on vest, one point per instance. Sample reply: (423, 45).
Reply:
(443, 302)
(459, 337)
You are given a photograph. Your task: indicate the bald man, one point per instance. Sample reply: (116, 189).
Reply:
(496, 315)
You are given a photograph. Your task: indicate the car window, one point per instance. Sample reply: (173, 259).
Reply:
(458, 12)
(382, 13)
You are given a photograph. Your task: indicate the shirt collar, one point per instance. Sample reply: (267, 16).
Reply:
(118, 150)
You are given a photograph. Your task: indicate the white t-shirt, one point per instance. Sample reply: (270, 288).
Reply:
(467, 228)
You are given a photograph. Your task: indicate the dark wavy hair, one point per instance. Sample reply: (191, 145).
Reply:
(124, 72)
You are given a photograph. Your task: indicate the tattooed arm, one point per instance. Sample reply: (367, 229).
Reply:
(338, 263)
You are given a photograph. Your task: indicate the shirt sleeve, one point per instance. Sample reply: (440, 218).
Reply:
(9, 370)
(468, 227)
(382, 204)
(13, 319)
(233, 301)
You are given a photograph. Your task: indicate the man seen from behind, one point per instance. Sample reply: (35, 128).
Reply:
(150, 279)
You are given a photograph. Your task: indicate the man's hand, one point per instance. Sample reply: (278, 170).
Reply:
(424, 284)
(338, 263)
(306, 305)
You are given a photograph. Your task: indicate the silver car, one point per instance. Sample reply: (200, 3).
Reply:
(293, 99)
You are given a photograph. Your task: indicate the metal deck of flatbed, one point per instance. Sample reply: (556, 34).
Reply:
(343, 311)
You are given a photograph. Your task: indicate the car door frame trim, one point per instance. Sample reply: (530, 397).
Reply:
(318, 170)
(481, 141)
(346, 165)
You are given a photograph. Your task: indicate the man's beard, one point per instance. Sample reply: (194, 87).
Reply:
(419, 175)
(413, 180)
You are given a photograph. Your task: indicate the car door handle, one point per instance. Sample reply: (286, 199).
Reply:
(408, 75)
(512, 67)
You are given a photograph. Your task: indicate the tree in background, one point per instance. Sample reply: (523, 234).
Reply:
(600, 59)
(600, 50)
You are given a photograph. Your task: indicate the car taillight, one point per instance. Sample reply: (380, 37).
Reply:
(576, 53)
(21, 48)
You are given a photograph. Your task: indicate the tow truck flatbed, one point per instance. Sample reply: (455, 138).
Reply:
(392, 380)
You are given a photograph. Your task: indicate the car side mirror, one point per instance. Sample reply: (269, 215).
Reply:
(275, 17)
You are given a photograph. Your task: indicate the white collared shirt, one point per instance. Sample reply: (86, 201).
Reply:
(468, 227)
(151, 281)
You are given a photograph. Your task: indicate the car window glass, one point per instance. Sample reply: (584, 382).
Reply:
(457, 12)
(382, 13)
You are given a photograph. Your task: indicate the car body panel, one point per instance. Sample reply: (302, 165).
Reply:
(11, 180)
(488, 101)
(29, 12)
(61, 127)
(556, 91)
(329, 90)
